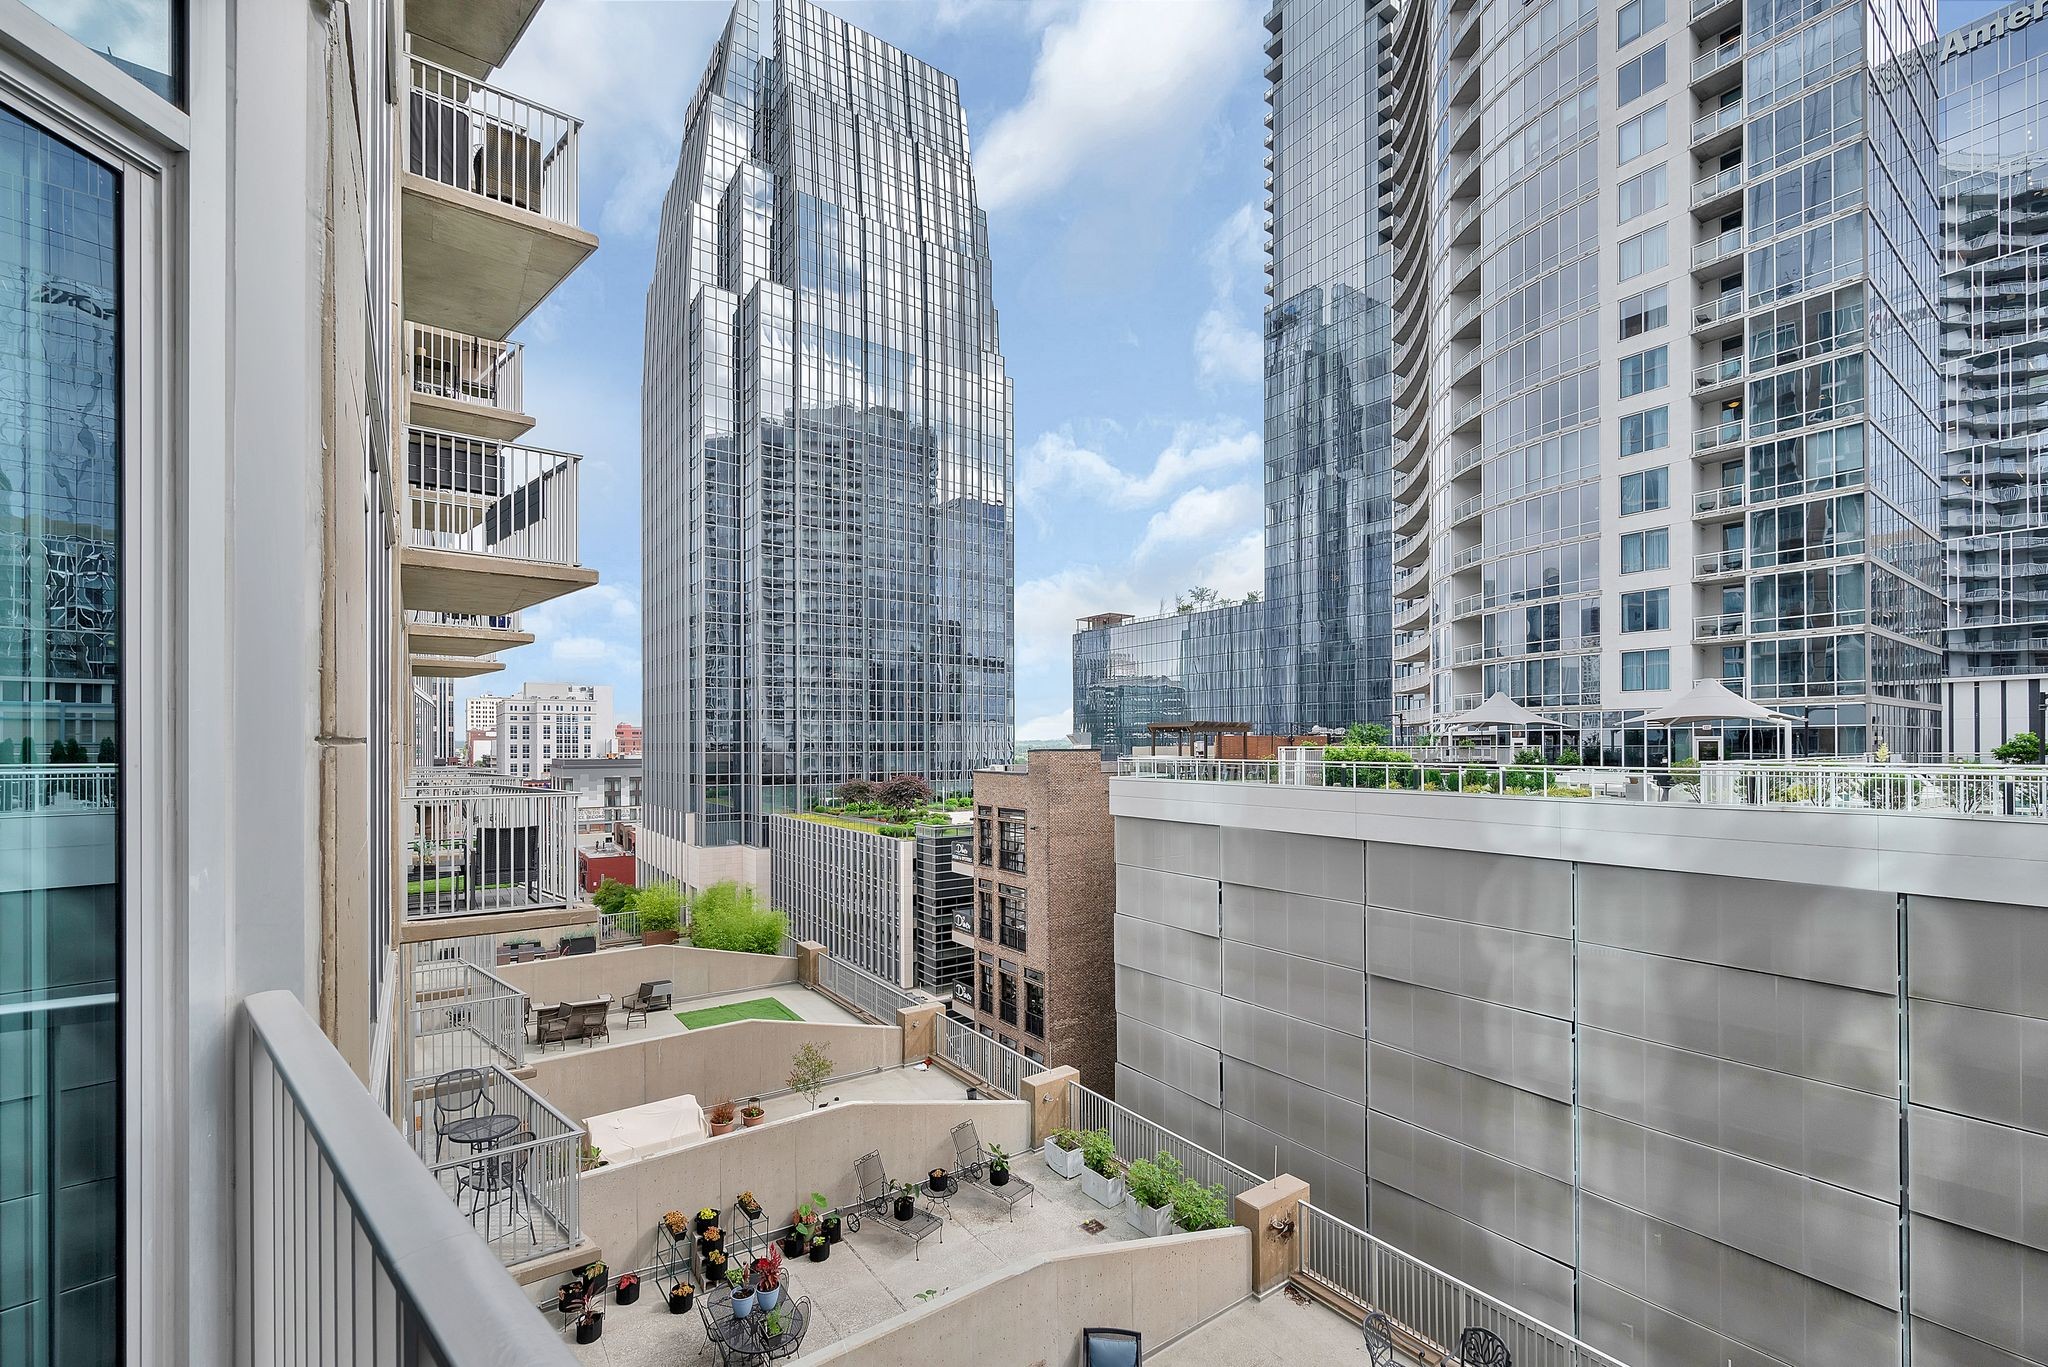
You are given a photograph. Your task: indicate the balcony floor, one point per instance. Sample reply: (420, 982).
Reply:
(1279, 1331)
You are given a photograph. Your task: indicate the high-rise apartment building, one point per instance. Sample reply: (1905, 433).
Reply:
(480, 713)
(826, 442)
(1666, 338)
(545, 722)
(1994, 222)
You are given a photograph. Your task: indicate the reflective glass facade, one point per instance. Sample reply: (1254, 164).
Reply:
(1208, 665)
(1994, 177)
(827, 531)
(60, 676)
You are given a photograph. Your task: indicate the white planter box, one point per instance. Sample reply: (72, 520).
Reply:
(1147, 1220)
(1066, 1162)
(1103, 1191)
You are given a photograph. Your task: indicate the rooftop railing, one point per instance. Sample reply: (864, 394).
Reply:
(520, 1193)
(491, 143)
(455, 365)
(984, 1056)
(1136, 1137)
(867, 994)
(483, 497)
(47, 789)
(350, 1247)
(502, 849)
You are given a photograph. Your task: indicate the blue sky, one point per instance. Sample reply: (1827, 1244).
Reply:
(1118, 148)
(1117, 145)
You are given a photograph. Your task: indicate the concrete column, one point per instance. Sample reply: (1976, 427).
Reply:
(1047, 1093)
(920, 1033)
(810, 955)
(1276, 1253)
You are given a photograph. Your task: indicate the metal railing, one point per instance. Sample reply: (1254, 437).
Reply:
(476, 138)
(58, 788)
(1717, 562)
(1717, 499)
(418, 617)
(1714, 248)
(1720, 183)
(1707, 63)
(863, 991)
(1720, 434)
(340, 1221)
(2013, 791)
(455, 365)
(1724, 305)
(1717, 626)
(995, 1063)
(1433, 1305)
(462, 1015)
(520, 1194)
(1136, 1137)
(1717, 372)
(483, 497)
(499, 850)
(1719, 121)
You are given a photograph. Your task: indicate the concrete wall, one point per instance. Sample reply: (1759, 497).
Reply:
(1160, 1287)
(1639, 1071)
(734, 1061)
(783, 1162)
(695, 972)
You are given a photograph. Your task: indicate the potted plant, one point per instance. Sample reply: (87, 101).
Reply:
(590, 1328)
(714, 1263)
(768, 1279)
(751, 1206)
(590, 1157)
(1063, 1153)
(1148, 1194)
(676, 1223)
(628, 1289)
(820, 1250)
(1102, 1179)
(937, 1182)
(906, 1201)
(799, 1237)
(711, 1240)
(742, 1294)
(751, 1114)
(660, 913)
(721, 1116)
(773, 1325)
(998, 1166)
(832, 1232)
(569, 1297)
(706, 1218)
(1199, 1207)
(595, 1277)
(680, 1297)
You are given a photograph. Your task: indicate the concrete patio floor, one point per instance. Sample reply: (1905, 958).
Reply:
(876, 1274)
(1279, 1331)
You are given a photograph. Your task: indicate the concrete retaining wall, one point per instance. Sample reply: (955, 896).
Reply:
(783, 1162)
(732, 1061)
(618, 972)
(1160, 1287)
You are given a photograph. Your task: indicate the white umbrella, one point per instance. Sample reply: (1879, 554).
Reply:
(1709, 701)
(1501, 710)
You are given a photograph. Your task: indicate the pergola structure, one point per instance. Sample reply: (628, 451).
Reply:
(1186, 734)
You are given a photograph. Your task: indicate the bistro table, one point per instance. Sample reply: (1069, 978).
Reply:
(482, 1131)
(748, 1337)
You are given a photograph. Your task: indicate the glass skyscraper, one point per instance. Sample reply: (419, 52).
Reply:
(1994, 182)
(1206, 664)
(827, 454)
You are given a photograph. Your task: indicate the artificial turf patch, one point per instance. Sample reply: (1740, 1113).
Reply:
(759, 1009)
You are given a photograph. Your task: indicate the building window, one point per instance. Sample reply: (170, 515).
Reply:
(1642, 312)
(1646, 610)
(1638, 78)
(988, 989)
(1645, 252)
(1646, 370)
(1009, 999)
(988, 914)
(1644, 671)
(1034, 1010)
(1635, 19)
(1643, 133)
(984, 836)
(1011, 832)
(1646, 491)
(1641, 193)
(1649, 430)
(1013, 901)
(1642, 551)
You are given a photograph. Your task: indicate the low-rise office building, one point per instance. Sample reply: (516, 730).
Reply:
(1039, 927)
(1697, 1083)
(882, 901)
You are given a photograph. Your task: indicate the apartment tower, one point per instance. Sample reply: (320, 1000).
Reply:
(1666, 335)
(826, 443)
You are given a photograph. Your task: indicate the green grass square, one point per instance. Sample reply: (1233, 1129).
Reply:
(759, 1009)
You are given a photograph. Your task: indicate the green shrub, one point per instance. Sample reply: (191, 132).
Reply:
(1199, 1207)
(1367, 733)
(2024, 748)
(1151, 1181)
(728, 916)
(1066, 1139)
(1528, 755)
(612, 897)
(1478, 781)
(1568, 756)
(1098, 1151)
(660, 906)
(900, 832)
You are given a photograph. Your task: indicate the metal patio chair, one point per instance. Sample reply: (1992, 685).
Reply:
(457, 1093)
(651, 997)
(1483, 1348)
(1379, 1339)
(878, 1197)
(970, 1161)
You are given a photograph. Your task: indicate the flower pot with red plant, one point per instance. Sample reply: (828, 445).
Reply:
(752, 1114)
(590, 1328)
(768, 1280)
(681, 1297)
(722, 1116)
(628, 1289)
(820, 1250)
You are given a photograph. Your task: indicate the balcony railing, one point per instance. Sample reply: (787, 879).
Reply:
(520, 1194)
(1707, 63)
(504, 849)
(482, 497)
(1720, 120)
(1721, 434)
(1720, 183)
(491, 143)
(463, 1016)
(455, 365)
(481, 621)
(987, 1058)
(55, 789)
(1137, 1137)
(863, 991)
(1718, 626)
(1716, 247)
(1725, 305)
(1718, 562)
(1718, 499)
(1715, 373)
(350, 1246)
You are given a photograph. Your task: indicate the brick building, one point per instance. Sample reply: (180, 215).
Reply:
(1044, 906)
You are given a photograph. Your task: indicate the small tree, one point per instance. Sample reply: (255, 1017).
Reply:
(809, 1070)
(2024, 748)
(1254, 596)
(728, 916)
(904, 791)
(109, 754)
(612, 896)
(855, 790)
(660, 906)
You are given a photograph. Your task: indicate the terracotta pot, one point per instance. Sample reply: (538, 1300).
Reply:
(752, 1120)
(658, 937)
(717, 1128)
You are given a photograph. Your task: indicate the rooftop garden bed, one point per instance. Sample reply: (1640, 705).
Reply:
(894, 807)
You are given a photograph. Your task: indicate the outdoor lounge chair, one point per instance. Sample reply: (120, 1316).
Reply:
(551, 1025)
(970, 1163)
(1112, 1348)
(654, 996)
(1483, 1348)
(877, 1198)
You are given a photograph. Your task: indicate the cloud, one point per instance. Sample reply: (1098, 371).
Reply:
(1048, 607)
(1057, 461)
(1227, 345)
(1203, 514)
(1055, 726)
(1119, 89)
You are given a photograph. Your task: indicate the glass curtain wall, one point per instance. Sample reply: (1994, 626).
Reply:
(60, 747)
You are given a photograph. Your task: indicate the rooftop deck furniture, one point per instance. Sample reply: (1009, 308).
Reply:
(971, 1162)
(495, 1178)
(652, 996)
(588, 1020)
(878, 1199)
(1112, 1347)
(458, 1093)
(1483, 1348)
(1379, 1339)
(551, 1025)
(749, 1339)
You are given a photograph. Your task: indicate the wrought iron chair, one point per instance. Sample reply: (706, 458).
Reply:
(877, 1195)
(1112, 1348)
(970, 1161)
(1483, 1348)
(457, 1093)
(501, 1177)
(1379, 1339)
(795, 1320)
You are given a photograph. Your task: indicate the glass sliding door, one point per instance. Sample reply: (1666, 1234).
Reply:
(61, 1214)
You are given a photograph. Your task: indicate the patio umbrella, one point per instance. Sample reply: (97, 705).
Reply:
(1710, 701)
(1501, 710)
